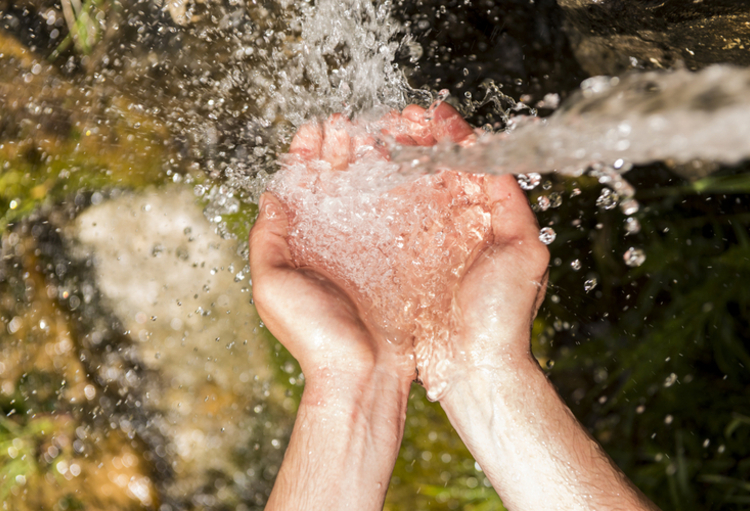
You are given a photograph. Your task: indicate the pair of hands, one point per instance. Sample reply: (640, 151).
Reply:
(328, 332)
(349, 425)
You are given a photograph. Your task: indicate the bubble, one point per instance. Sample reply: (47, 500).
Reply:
(543, 202)
(529, 181)
(590, 284)
(576, 264)
(575, 192)
(630, 206)
(607, 199)
(670, 380)
(547, 235)
(632, 225)
(415, 51)
(634, 257)
(555, 200)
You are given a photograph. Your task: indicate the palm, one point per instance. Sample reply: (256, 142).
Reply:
(516, 265)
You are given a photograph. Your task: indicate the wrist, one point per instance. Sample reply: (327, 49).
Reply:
(346, 388)
(504, 365)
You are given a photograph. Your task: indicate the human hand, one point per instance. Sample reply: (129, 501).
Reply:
(321, 158)
(312, 316)
(396, 255)
(498, 297)
(503, 274)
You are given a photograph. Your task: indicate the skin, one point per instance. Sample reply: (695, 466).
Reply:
(350, 421)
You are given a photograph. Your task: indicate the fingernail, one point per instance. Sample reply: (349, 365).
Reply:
(261, 202)
(270, 210)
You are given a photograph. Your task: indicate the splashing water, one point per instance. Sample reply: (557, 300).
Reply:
(335, 57)
(678, 116)
(400, 258)
(343, 60)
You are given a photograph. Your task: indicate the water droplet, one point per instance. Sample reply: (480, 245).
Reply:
(529, 181)
(670, 380)
(632, 226)
(550, 364)
(634, 257)
(547, 235)
(608, 199)
(589, 285)
(576, 264)
(575, 192)
(630, 206)
(555, 200)
(543, 202)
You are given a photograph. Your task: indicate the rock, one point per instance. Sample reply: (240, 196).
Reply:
(183, 294)
(612, 36)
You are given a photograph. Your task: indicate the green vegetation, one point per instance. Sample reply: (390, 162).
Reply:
(655, 359)
(83, 25)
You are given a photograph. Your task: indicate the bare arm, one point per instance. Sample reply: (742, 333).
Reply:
(344, 445)
(527, 441)
(529, 444)
(350, 421)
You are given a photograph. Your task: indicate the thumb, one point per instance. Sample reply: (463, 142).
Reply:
(269, 249)
(512, 218)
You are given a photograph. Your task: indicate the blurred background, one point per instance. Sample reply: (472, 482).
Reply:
(135, 136)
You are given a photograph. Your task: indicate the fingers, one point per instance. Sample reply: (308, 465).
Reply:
(395, 127)
(417, 125)
(336, 148)
(447, 124)
(269, 249)
(512, 218)
(330, 142)
(307, 142)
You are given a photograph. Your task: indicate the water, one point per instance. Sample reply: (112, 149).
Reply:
(677, 116)
(177, 366)
(398, 245)
(344, 62)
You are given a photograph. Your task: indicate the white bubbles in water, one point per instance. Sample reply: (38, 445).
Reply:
(547, 235)
(630, 206)
(555, 200)
(607, 199)
(576, 264)
(590, 284)
(543, 202)
(529, 181)
(634, 257)
(414, 50)
(632, 225)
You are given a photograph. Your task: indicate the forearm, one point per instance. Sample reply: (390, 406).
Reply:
(529, 444)
(344, 444)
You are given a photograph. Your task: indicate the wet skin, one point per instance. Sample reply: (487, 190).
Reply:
(350, 421)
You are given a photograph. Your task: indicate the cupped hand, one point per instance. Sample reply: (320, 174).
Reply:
(497, 298)
(440, 282)
(325, 315)
(312, 316)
